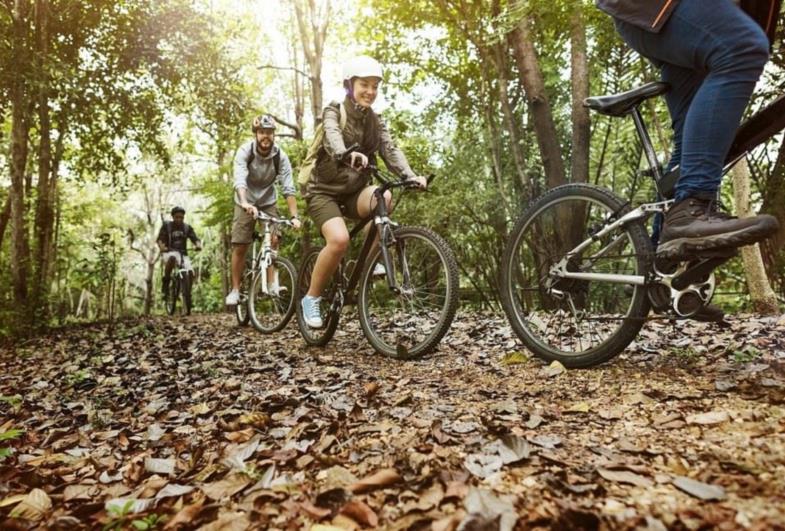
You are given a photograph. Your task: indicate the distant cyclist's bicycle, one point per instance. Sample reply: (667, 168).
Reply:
(579, 273)
(267, 287)
(405, 311)
(180, 284)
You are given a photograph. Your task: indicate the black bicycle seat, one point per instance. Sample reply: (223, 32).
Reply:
(621, 104)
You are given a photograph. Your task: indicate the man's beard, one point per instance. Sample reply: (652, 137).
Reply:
(264, 151)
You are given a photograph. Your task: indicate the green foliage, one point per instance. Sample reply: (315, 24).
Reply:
(8, 435)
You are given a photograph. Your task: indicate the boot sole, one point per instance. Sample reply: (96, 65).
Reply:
(686, 248)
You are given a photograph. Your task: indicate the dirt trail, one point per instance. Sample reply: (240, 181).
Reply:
(195, 422)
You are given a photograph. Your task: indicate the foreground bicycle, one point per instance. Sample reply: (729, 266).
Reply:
(406, 311)
(268, 309)
(579, 273)
(180, 286)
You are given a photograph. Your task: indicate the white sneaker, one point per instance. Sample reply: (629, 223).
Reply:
(379, 270)
(233, 298)
(277, 291)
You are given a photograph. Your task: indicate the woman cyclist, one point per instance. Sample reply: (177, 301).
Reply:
(337, 186)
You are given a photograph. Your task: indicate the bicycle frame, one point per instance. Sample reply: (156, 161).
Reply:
(382, 225)
(759, 128)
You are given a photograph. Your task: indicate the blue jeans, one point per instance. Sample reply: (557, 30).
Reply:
(712, 54)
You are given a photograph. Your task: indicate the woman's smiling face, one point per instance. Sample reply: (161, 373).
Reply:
(365, 90)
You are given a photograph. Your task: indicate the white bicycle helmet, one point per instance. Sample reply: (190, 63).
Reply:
(362, 66)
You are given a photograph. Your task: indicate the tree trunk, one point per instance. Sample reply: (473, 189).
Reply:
(763, 299)
(579, 74)
(44, 216)
(5, 215)
(509, 120)
(313, 32)
(149, 287)
(539, 107)
(774, 203)
(20, 126)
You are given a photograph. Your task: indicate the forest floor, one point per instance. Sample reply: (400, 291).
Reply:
(190, 422)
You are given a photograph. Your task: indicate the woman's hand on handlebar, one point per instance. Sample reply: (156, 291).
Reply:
(357, 160)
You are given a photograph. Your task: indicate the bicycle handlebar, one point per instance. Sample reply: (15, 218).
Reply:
(389, 181)
(261, 216)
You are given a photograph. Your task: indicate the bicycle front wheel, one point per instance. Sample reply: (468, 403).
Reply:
(271, 311)
(185, 290)
(330, 307)
(578, 322)
(173, 295)
(409, 321)
(241, 309)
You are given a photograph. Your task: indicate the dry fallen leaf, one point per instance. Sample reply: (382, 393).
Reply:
(33, 506)
(701, 490)
(360, 513)
(380, 479)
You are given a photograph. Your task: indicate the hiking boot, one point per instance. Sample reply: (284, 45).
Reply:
(694, 225)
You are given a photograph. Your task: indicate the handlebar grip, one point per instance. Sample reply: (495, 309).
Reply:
(354, 147)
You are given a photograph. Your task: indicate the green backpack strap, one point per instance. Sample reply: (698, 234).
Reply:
(309, 162)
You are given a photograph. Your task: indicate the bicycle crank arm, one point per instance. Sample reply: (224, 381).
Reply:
(699, 271)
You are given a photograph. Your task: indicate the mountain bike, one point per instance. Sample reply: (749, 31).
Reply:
(180, 284)
(579, 271)
(406, 311)
(267, 287)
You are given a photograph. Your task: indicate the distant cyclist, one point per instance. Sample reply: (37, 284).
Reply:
(712, 54)
(173, 242)
(257, 166)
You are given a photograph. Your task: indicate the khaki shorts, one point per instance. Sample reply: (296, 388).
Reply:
(243, 224)
(323, 207)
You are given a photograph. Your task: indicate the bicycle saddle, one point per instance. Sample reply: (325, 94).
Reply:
(621, 104)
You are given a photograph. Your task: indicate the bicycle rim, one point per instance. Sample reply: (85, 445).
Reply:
(329, 308)
(412, 321)
(174, 294)
(241, 309)
(578, 322)
(269, 311)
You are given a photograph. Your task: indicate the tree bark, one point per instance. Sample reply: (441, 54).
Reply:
(509, 119)
(774, 203)
(313, 33)
(763, 298)
(579, 76)
(20, 126)
(539, 107)
(44, 216)
(5, 215)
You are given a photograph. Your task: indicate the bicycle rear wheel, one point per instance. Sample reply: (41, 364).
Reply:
(270, 312)
(330, 306)
(578, 322)
(411, 322)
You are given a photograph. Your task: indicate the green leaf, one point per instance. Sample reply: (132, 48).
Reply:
(11, 434)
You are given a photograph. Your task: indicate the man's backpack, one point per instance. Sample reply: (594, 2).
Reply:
(308, 163)
(276, 158)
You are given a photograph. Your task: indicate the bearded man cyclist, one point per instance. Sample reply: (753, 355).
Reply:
(173, 243)
(257, 166)
(712, 53)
